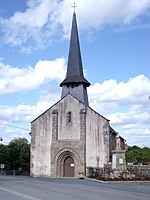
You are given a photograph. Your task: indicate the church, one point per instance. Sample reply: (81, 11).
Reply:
(70, 136)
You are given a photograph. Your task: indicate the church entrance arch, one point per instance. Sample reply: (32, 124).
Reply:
(66, 164)
(68, 167)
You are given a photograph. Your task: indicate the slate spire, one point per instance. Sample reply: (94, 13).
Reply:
(74, 69)
(75, 78)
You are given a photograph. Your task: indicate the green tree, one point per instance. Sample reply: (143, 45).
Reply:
(133, 148)
(3, 153)
(15, 155)
(19, 154)
(138, 155)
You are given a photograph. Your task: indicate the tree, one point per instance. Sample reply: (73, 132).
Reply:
(133, 148)
(15, 155)
(138, 155)
(3, 153)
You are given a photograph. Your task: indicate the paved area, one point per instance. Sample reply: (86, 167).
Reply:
(23, 188)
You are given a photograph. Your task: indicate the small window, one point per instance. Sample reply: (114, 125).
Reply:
(69, 117)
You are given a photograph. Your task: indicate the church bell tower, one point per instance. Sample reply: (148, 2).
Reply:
(75, 83)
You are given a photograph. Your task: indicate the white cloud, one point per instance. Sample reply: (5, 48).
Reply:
(9, 133)
(130, 118)
(137, 136)
(135, 91)
(22, 113)
(34, 24)
(14, 79)
(15, 120)
(45, 18)
(126, 105)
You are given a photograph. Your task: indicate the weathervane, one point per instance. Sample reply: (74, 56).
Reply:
(74, 6)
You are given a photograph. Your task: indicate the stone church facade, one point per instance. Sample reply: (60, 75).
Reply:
(70, 136)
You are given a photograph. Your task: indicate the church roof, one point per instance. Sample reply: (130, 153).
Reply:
(74, 68)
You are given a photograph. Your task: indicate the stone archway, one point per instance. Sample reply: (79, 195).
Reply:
(66, 164)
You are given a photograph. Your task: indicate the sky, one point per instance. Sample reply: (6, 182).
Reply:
(115, 47)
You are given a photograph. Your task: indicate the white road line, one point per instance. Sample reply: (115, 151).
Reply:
(19, 194)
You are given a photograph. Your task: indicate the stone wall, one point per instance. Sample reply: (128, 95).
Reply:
(134, 172)
(97, 139)
(139, 171)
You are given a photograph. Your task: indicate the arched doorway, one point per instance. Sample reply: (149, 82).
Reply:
(67, 163)
(68, 167)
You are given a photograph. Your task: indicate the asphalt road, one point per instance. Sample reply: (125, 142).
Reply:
(23, 188)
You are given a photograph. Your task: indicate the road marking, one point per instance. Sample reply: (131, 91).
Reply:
(19, 194)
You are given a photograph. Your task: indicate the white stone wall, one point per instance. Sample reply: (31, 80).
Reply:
(41, 145)
(44, 127)
(41, 130)
(69, 131)
(97, 139)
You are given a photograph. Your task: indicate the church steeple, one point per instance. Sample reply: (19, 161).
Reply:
(75, 83)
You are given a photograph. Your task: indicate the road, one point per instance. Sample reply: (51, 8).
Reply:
(27, 188)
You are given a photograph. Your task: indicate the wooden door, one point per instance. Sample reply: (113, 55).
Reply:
(68, 167)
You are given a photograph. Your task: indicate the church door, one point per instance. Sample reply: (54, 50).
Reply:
(68, 167)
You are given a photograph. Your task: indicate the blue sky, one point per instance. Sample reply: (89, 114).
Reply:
(115, 47)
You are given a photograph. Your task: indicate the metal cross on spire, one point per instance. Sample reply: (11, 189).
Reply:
(74, 6)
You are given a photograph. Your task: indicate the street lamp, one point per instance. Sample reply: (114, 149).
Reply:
(1, 139)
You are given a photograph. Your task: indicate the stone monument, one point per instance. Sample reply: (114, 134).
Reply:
(118, 156)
